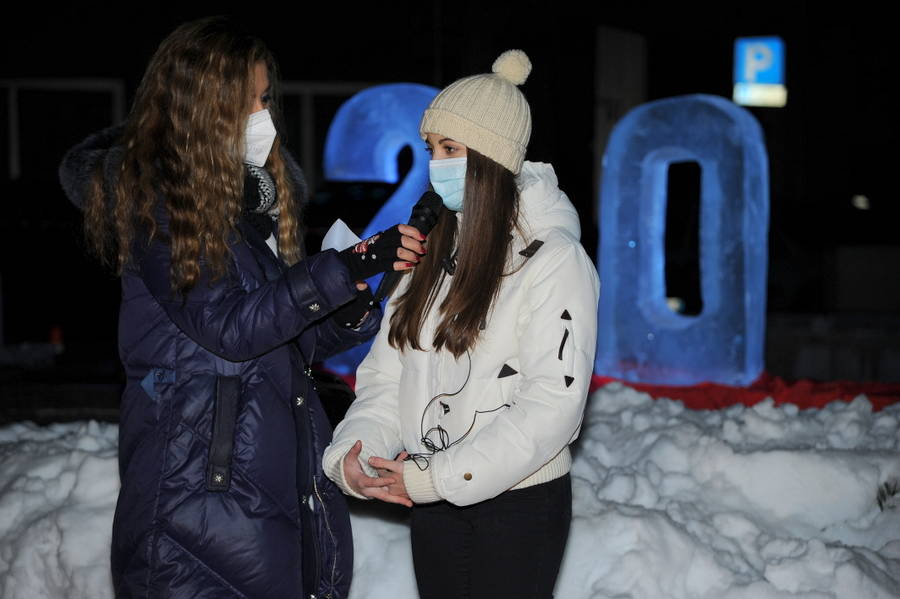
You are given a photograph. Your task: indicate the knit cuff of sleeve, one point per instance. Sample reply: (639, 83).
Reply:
(352, 314)
(419, 485)
(335, 471)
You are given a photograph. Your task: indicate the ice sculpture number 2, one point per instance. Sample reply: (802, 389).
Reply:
(362, 144)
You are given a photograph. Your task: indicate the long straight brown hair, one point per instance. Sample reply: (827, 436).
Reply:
(183, 141)
(491, 207)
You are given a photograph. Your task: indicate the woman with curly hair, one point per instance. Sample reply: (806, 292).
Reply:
(476, 383)
(196, 205)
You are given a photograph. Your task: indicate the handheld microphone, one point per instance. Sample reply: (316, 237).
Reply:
(424, 216)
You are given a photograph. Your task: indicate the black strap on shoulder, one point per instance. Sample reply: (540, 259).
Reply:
(532, 248)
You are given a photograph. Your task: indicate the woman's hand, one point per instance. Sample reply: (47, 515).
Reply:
(393, 469)
(377, 488)
(397, 248)
(352, 314)
(412, 247)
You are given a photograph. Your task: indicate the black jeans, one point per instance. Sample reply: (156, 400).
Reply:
(509, 546)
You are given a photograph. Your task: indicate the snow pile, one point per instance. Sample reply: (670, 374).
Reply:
(743, 503)
(58, 487)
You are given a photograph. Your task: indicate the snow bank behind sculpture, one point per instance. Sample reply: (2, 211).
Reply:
(741, 503)
(744, 502)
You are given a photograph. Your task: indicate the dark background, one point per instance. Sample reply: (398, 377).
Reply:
(833, 277)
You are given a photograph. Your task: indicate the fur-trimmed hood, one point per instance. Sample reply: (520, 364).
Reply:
(81, 161)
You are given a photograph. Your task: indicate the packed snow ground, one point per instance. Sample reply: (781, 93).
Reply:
(742, 503)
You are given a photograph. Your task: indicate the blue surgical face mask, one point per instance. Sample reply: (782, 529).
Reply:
(448, 177)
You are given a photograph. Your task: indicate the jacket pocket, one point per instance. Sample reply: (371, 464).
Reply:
(221, 446)
(155, 379)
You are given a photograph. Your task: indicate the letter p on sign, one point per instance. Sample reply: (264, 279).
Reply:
(758, 58)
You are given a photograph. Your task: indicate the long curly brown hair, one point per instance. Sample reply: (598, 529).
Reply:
(183, 148)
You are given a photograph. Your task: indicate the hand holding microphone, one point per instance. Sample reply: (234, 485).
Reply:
(380, 253)
(424, 216)
(397, 248)
(377, 254)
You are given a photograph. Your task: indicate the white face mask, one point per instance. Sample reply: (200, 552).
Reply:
(259, 137)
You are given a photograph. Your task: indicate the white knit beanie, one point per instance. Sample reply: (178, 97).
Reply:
(486, 112)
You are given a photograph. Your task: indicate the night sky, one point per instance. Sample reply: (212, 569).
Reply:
(830, 143)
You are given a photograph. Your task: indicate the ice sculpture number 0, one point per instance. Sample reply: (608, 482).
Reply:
(362, 144)
(639, 337)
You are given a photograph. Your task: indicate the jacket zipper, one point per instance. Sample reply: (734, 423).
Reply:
(306, 503)
(330, 534)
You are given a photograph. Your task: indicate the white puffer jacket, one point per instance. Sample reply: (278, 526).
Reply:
(521, 405)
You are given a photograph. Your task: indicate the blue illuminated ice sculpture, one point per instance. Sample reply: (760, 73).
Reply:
(367, 133)
(639, 337)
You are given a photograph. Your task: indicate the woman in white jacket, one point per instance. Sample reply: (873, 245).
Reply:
(477, 381)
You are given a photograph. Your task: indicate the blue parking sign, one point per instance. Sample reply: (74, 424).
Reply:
(759, 60)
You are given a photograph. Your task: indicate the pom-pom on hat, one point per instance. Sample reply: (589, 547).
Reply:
(486, 112)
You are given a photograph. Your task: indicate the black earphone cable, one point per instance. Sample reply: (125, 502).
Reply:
(443, 442)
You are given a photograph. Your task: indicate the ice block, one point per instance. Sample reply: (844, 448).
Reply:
(640, 338)
(365, 137)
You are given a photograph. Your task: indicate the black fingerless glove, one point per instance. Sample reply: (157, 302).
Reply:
(351, 314)
(372, 256)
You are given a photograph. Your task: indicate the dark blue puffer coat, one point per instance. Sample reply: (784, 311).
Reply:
(222, 433)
